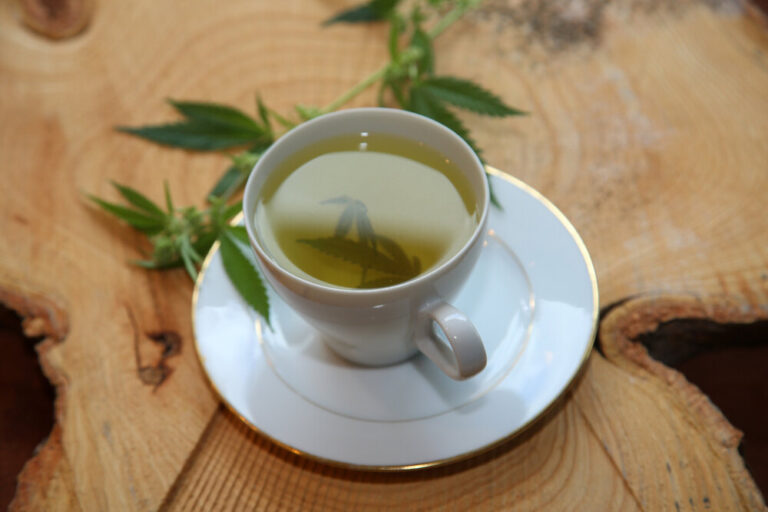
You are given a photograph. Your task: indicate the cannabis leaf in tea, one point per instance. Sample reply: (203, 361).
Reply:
(370, 251)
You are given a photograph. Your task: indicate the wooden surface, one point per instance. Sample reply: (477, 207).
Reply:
(648, 130)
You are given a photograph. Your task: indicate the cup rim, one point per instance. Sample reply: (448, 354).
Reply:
(368, 292)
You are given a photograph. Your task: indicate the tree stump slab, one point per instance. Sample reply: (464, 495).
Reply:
(647, 128)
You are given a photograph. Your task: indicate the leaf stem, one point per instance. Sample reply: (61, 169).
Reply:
(409, 56)
(452, 17)
(356, 89)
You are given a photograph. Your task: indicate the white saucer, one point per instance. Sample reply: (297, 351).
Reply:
(532, 297)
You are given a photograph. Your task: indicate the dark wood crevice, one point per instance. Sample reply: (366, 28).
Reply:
(728, 362)
(26, 402)
(715, 347)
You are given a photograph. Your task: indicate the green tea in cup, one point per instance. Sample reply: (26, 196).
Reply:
(365, 210)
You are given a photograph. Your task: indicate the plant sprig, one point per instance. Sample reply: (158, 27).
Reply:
(182, 236)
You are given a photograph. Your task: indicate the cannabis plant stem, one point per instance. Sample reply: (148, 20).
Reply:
(408, 56)
(356, 89)
(449, 19)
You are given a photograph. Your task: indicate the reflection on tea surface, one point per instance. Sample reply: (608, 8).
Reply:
(365, 211)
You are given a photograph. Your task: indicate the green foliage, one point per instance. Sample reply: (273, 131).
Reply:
(467, 95)
(182, 236)
(240, 266)
(179, 237)
(375, 10)
(206, 127)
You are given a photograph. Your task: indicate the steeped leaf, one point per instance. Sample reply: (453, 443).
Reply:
(394, 250)
(345, 221)
(364, 228)
(357, 253)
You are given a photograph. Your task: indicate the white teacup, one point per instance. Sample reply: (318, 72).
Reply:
(388, 325)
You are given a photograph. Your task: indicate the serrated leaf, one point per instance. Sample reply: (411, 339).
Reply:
(216, 114)
(394, 250)
(137, 219)
(139, 200)
(375, 10)
(468, 95)
(359, 14)
(241, 269)
(195, 135)
(228, 184)
(423, 42)
(424, 103)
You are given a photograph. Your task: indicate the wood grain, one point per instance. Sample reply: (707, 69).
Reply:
(647, 129)
(558, 459)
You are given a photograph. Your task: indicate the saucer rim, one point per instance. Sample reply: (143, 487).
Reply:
(492, 171)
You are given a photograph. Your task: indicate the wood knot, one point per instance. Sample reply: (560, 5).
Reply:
(155, 374)
(57, 19)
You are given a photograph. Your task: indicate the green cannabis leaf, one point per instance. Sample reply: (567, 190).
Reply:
(370, 251)
(467, 95)
(240, 266)
(375, 10)
(180, 237)
(207, 127)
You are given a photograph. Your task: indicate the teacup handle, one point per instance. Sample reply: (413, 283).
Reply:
(466, 355)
